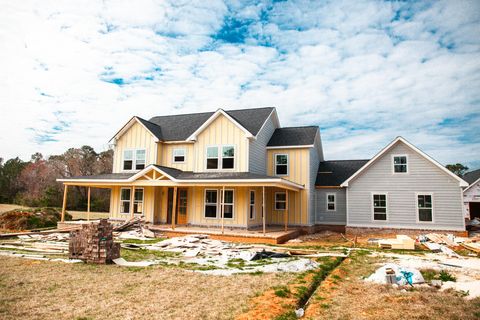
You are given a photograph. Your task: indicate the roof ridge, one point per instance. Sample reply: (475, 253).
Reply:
(346, 160)
(298, 127)
(208, 112)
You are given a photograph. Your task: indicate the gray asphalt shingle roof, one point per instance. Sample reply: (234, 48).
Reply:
(179, 127)
(334, 172)
(293, 136)
(472, 176)
(106, 176)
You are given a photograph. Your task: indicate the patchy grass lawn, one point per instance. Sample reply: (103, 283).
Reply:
(77, 215)
(41, 290)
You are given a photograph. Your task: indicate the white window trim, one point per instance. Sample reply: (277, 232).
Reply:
(205, 204)
(334, 194)
(393, 164)
(386, 208)
(121, 201)
(275, 200)
(220, 157)
(232, 204)
(184, 155)
(275, 164)
(134, 159)
(250, 204)
(418, 211)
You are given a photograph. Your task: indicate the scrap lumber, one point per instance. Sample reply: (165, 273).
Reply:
(16, 234)
(441, 239)
(474, 246)
(127, 224)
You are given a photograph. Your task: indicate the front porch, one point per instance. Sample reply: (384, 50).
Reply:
(234, 206)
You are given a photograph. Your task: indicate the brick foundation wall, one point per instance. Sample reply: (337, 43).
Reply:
(360, 231)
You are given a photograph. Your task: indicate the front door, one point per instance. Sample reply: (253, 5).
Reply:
(181, 212)
(182, 206)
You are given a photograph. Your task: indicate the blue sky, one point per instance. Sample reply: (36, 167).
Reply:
(364, 71)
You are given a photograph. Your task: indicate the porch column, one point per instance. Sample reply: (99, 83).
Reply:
(263, 209)
(64, 205)
(174, 209)
(222, 207)
(286, 210)
(88, 204)
(132, 201)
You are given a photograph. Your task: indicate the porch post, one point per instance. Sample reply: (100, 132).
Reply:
(174, 209)
(222, 208)
(263, 209)
(64, 205)
(286, 210)
(132, 201)
(88, 204)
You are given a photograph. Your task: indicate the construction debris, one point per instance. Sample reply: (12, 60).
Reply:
(402, 242)
(392, 273)
(135, 222)
(94, 243)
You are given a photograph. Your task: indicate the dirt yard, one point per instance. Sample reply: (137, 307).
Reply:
(76, 215)
(41, 290)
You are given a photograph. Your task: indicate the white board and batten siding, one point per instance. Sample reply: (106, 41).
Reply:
(336, 217)
(257, 152)
(402, 188)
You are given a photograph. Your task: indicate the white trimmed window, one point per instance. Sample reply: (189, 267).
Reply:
(379, 207)
(280, 200)
(400, 164)
(223, 160)
(228, 157)
(228, 204)
(331, 202)
(211, 203)
(425, 207)
(281, 164)
(134, 159)
(251, 212)
(212, 157)
(138, 201)
(125, 200)
(179, 155)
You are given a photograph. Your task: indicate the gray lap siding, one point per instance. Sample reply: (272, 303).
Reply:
(402, 190)
(322, 215)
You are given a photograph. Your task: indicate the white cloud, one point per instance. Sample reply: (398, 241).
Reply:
(364, 71)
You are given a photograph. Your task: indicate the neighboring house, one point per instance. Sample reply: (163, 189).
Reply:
(471, 195)
(241, 169)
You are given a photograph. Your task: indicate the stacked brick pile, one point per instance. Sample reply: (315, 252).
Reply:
(94, 243)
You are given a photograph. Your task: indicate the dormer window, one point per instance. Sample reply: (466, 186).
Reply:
(179, 155)
(134, 159)
(400, 164)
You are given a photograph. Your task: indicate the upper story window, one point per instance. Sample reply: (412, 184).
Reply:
(400, 164)
(331, 202)
(281, 164)
(179, 155)
(224, 160)
(134, 159)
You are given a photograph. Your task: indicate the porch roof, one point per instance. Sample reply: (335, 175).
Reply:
(175, 177)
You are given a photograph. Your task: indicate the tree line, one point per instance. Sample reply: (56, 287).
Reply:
(33, 183)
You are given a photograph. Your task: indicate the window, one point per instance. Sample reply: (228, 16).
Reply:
(379, 207)
(140, 160)
(251, 213)
(280, 201)
(281, 164)
(179, 155)
(211, 205)
(133, 158)
(228, 157)
(138, 201)
(228, 204)
(125, 200)
(400, 164)
(425, 208)
(212, 157)
(127, 160)
(331, 202)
